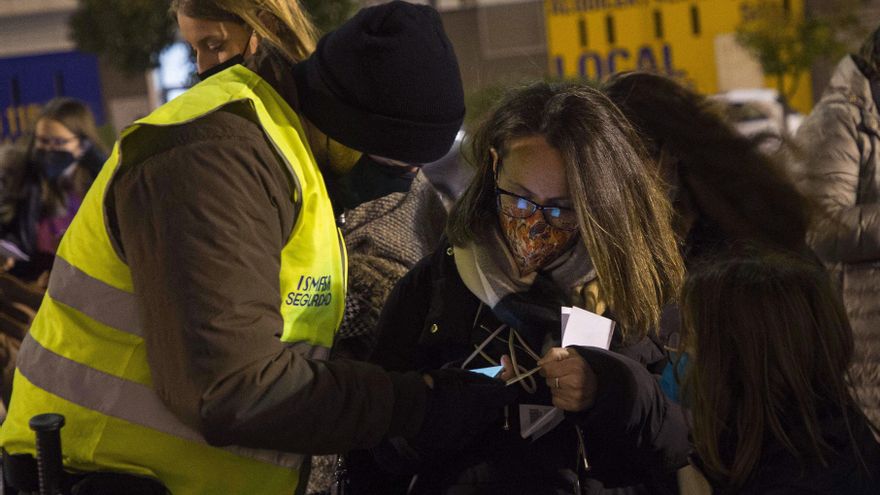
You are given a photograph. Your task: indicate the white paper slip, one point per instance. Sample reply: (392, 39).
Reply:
(583, 328)
(566, 312)
(536, 420)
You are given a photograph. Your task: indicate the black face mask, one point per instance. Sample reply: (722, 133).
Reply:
(52, 163)
(238, 59)
(369, 180)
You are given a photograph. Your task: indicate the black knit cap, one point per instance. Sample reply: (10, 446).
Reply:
(385, 83)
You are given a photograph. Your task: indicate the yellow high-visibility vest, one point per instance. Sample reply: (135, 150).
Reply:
(85, 356)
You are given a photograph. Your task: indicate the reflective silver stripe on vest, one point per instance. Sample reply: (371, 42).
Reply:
(119, 398)
(99, 301)
(118, 309)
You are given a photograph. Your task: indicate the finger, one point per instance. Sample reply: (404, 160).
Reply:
(574, 365)
(507, 372)
(554, 354)
(559, 384)
(577, 390)
(553, 363)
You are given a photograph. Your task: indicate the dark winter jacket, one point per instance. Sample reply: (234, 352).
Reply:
(431, 319)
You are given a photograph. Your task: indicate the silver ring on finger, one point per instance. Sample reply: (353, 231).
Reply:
(557, 383)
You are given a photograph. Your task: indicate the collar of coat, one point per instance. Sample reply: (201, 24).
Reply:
(489, 271)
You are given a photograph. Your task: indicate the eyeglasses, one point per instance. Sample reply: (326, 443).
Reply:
(53, 142)
(516, 206)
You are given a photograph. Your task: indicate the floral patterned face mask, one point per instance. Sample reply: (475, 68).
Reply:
(533, 242)
(536, 234)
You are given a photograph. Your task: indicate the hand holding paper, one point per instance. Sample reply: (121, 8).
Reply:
(573, 383)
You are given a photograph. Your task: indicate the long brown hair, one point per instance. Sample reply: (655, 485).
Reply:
(623, 214)
(722, 176)
(770, 345)
(283, 23)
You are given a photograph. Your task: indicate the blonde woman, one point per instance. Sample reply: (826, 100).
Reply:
(221, 30)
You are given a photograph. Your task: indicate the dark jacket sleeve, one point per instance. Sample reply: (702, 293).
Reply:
(403, 318)
(400, 325)
(633, 431)
(202, 224)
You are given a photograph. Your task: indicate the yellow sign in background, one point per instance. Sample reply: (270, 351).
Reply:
(679, 38)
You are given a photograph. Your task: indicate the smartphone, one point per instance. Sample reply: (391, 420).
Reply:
(491, 372)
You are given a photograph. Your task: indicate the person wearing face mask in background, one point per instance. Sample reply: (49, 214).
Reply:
(42, 184)
(43, 188)
(563, 211)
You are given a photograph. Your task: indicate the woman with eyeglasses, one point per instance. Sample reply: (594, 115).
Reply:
(563, 211)
(44, 186)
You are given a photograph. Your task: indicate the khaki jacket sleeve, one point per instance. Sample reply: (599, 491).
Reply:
(835, 150)
(202, 225)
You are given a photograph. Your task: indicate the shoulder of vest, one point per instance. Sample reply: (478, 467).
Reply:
(235, 120)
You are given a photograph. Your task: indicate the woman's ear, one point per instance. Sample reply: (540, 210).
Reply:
(494, 153)
(253, 43)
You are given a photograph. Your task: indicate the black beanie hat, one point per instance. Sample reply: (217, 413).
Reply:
(385, 83)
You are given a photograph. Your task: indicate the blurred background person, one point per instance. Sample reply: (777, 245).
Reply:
(840, 169)
(724, 188)
(42, 183)
(44, 186)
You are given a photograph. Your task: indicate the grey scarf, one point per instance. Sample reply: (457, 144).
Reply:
(489, 271)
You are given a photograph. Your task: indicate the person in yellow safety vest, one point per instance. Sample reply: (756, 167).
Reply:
(197, 292)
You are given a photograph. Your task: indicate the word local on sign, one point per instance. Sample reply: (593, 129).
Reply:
(593, 65)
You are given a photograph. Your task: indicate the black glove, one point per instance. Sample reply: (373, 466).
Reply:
(460, 406)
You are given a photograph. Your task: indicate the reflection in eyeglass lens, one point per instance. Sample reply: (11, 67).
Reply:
(519, 207)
